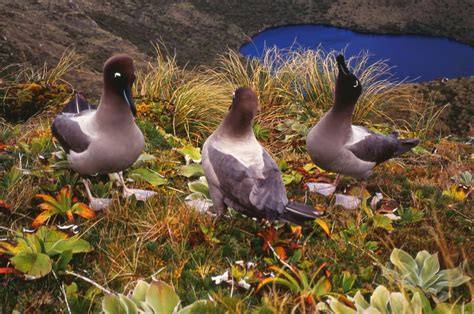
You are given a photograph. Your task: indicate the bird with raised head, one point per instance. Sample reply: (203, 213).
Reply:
(335, 145)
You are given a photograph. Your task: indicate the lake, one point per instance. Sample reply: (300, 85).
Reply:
(416, 58)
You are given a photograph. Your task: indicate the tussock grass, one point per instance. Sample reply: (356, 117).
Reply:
(199, 102)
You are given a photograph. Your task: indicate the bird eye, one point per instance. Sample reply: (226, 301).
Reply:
(233, 95)
(117, 74)
(356, 84)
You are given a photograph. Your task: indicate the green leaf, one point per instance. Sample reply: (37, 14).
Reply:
(421, 257)
(161, 298)
(444, 308)
(380, 298)
(340, 308)
(200, 306)
(144, 158)
(191, 170)
(381, 221)
(111, 305)
(190, 153)
(139, 293)
(64, 259)
(348, 281)
(406, 265)
(452, 277)
(73, 244)
(34, 265)
(200, 186)
(429, 269)
(147, 175)
(131, 308)
(398, 303)
(360, 302)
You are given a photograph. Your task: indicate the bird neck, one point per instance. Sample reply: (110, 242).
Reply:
(238, 127)
(113, 110)
(343, 108)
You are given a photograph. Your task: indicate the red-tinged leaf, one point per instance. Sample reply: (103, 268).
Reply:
(69, 215)
(3, 146)
(9, 248)
(296, 230)
(4, 204)
(280, 251)
(83, 210)
(45, 197)
(280, 281)
(324, 226)
(40, 219)
(9, 270)
(67, 191)
(46, 206)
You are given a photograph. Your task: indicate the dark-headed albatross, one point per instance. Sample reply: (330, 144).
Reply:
(241, 174)
(104, 139)
(336, 145)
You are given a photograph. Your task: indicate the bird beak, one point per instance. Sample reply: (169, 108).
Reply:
(127, 94)
(341, 64)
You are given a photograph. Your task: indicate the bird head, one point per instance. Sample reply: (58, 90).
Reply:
(119, 75)
(348, 86)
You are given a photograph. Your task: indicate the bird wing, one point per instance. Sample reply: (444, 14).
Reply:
(371, 146)
(244, 186)
(69, 134)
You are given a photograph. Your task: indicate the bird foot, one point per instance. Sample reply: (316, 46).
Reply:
(347, 201)
(324, 189)
(140, 195)
(98, 204)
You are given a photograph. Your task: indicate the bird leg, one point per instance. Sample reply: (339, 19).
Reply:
(140, 195)
(95, 203)
(322, 188)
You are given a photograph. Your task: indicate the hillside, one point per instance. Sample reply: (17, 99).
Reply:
(198, 31)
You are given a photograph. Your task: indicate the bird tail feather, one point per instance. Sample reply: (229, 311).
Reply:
(298, 213)
(405, 145)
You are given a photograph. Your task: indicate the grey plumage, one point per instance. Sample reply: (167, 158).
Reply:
(104, 139)
(241, 174)
(336, 145)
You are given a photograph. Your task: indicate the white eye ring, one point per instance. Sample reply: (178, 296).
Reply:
(117, 74)
(356, 84)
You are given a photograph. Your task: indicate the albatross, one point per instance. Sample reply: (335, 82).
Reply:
(335, 145)
(103, 139)
(241, 174)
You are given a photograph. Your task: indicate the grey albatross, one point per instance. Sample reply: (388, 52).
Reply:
(335, 145)
(241, 174)
(104, 139)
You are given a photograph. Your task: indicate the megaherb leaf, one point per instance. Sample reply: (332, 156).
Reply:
(155, 297)
(35, 254)
(191, 170)
(148, 175)
(190, 153)
(35, 265)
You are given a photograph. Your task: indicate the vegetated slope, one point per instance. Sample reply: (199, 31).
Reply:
(38, 31)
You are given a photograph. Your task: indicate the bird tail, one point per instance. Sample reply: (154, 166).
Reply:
(76, 105)
(298, 213)
(405, 145)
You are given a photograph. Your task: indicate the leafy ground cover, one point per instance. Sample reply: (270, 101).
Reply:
(408, 246)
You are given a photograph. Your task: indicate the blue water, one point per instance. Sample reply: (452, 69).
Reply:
(416, 58)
